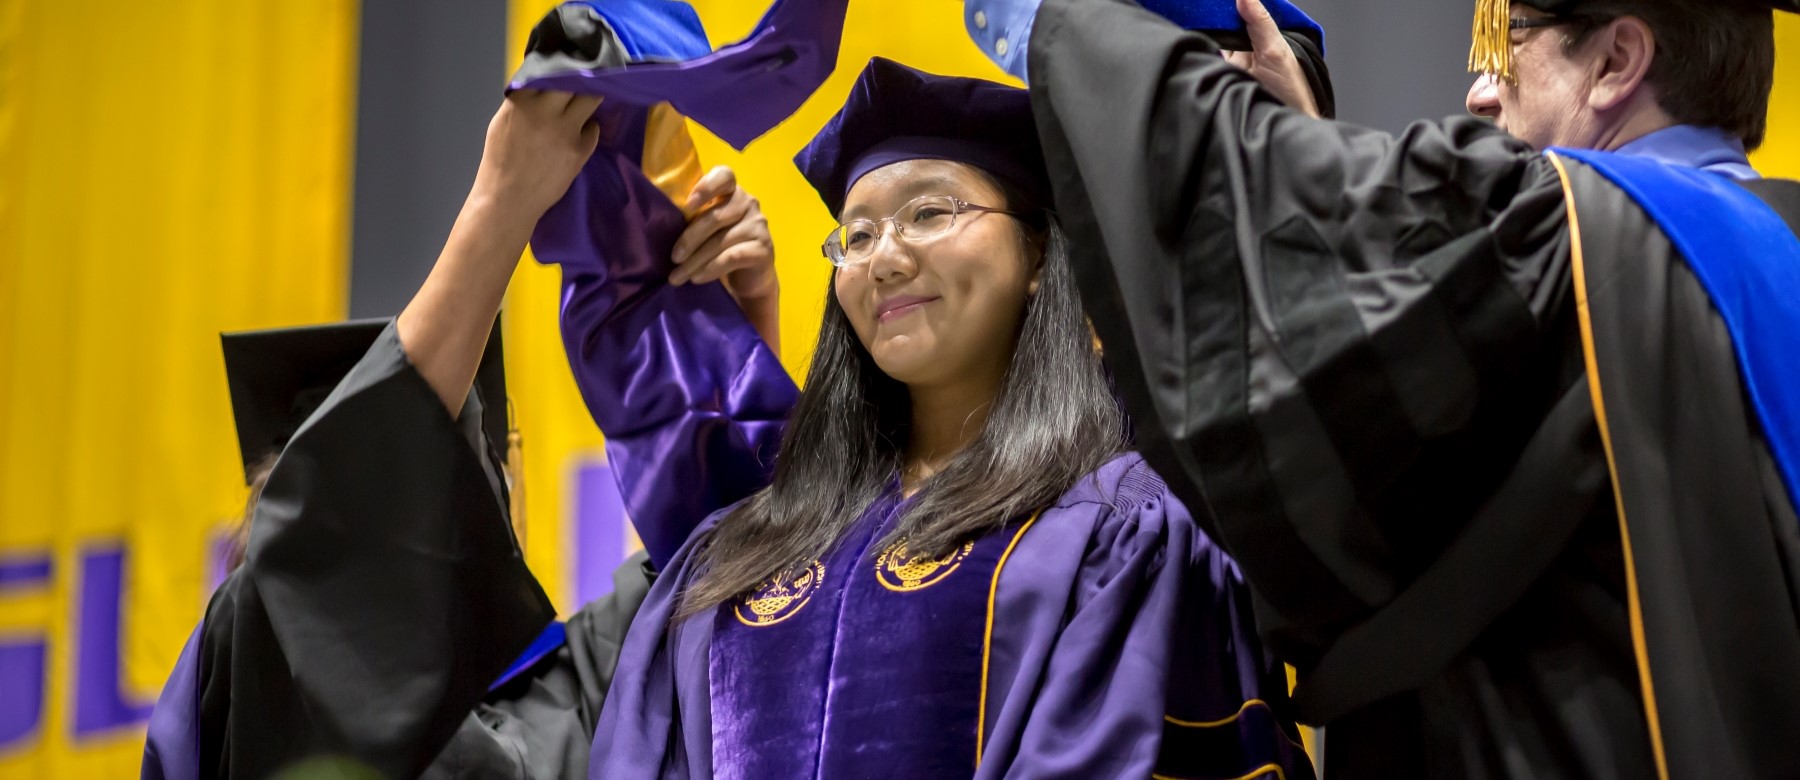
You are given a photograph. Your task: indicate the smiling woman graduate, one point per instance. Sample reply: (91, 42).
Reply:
(958, 570)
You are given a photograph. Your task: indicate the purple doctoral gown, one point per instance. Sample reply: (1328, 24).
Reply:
(1120, 645)
(1106, 637)
(1117, 637)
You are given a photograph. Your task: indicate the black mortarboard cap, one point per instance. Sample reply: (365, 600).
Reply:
(278, 378)
(895, 113)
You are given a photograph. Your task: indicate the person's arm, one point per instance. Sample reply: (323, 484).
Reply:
(380, 596)
(1002, 30)
(536, 144)
(381, 593)
(1272, 61)
(1329, 338)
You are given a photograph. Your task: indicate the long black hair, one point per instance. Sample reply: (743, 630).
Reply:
(1054, 420)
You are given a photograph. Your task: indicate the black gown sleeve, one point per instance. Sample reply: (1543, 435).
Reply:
(382, 592)
(540, 725)
(1332, 339)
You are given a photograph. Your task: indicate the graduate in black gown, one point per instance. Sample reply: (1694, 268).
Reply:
(1504, 440)
(277, 676)
(535, 720)
(383, 620)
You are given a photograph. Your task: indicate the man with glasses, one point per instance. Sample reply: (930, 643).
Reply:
(1702, 99)
(1504, 435)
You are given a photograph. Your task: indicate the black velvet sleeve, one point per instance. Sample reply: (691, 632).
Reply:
(1332, 339)
(382, 592)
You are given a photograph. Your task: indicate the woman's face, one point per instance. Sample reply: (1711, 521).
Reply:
(944, 309)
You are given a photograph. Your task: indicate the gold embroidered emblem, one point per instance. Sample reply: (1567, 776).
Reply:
(781, 596)
(897, 569)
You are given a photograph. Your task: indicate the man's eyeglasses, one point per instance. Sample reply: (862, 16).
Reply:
(1536, 22)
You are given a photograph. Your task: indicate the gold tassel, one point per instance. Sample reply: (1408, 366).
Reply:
(515, 474)
(1491, 52)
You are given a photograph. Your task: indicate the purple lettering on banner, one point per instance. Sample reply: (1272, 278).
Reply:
(26, 572)
(22, 677)
(22, 659)
(100, 705)
(599, 531)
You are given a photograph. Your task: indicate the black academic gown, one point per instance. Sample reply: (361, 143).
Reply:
(381, 596)
(1360, 353)
(540, 725)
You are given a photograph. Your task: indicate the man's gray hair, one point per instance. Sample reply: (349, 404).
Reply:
(1715, 59)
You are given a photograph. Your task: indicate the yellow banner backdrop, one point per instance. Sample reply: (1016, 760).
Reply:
(1780, 155)
(172, 170)
(168, 171)
(560, 439)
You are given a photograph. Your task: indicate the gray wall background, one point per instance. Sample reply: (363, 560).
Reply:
(420, 125)
(1394, 61)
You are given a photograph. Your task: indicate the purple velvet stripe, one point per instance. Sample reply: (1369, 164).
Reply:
(740, 91)
(895, 667)
(906, 683)
(691, 400)
(172, 745)
(770, 683)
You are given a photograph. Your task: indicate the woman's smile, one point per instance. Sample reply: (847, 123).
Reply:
(901, 305)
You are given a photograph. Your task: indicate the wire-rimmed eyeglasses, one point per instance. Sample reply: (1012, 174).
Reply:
(926, 216)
